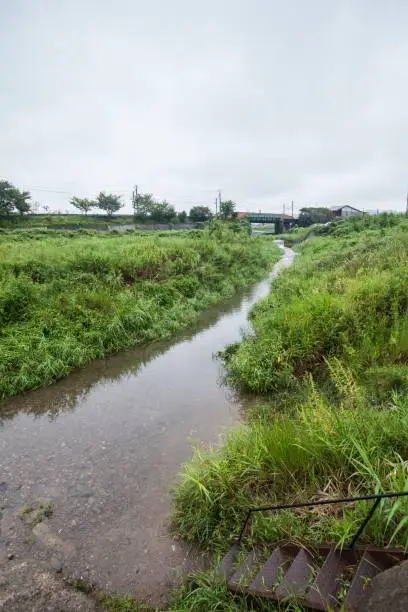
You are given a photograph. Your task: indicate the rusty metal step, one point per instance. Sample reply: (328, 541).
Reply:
(369, 566)
(298, 577)
(226, 567)
(272, 572)
(242, 576)
(323, 594)
(317, 579)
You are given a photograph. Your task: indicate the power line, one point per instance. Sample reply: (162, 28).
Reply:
(123, 190)
(36, 188)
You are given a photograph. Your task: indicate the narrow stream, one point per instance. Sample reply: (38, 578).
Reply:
(105, 444)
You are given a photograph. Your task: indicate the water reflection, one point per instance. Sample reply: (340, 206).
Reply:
(66, 394)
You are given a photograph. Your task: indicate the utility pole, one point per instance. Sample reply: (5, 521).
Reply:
(406, 210)
(135, 203)
(292, 209)
(218, 201)
(283, 209)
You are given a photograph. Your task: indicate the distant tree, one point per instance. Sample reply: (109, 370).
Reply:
(13, 199)
(200, 213)
(148, 209)
(21, 202)
(6, 197)
(182, 216)
(83, 204)
(163, 211)
(309, 216)
(142, 205)
(227, 209)
(108, 202)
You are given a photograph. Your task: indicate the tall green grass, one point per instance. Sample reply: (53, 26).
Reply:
(205, 592)
(42, 220)
(65, 300)
(345, 297)
(327, 358)
(314, 452)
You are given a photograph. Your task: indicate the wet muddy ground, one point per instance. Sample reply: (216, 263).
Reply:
(101, 449)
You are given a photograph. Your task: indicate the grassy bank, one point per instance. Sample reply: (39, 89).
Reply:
(328, 358)
(296, 234)
(42, 220)
(67, 299)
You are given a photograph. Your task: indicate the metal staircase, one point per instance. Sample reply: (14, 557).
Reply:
(318, 578)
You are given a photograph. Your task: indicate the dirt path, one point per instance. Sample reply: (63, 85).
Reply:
(26, 586)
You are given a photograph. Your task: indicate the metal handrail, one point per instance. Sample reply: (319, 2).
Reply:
(324, 502)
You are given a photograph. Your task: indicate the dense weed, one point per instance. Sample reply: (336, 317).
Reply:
(329, 352)
(320, 451)
(351, 299)
(65, 300)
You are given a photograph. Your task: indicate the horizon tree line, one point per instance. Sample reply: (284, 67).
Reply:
(145, 206)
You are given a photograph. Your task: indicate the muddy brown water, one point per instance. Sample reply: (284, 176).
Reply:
(105, 444)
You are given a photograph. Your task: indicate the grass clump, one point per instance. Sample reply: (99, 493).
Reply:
(121, 603)
(65, 300)
(111, 602)
(36, 513)
(328, 355)
(205, 592)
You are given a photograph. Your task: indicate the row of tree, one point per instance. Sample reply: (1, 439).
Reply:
(146, 208)
(107, 202)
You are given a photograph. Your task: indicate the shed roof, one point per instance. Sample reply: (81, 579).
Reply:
(334, 208)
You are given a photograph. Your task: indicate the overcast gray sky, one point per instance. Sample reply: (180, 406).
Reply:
(269, 101)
